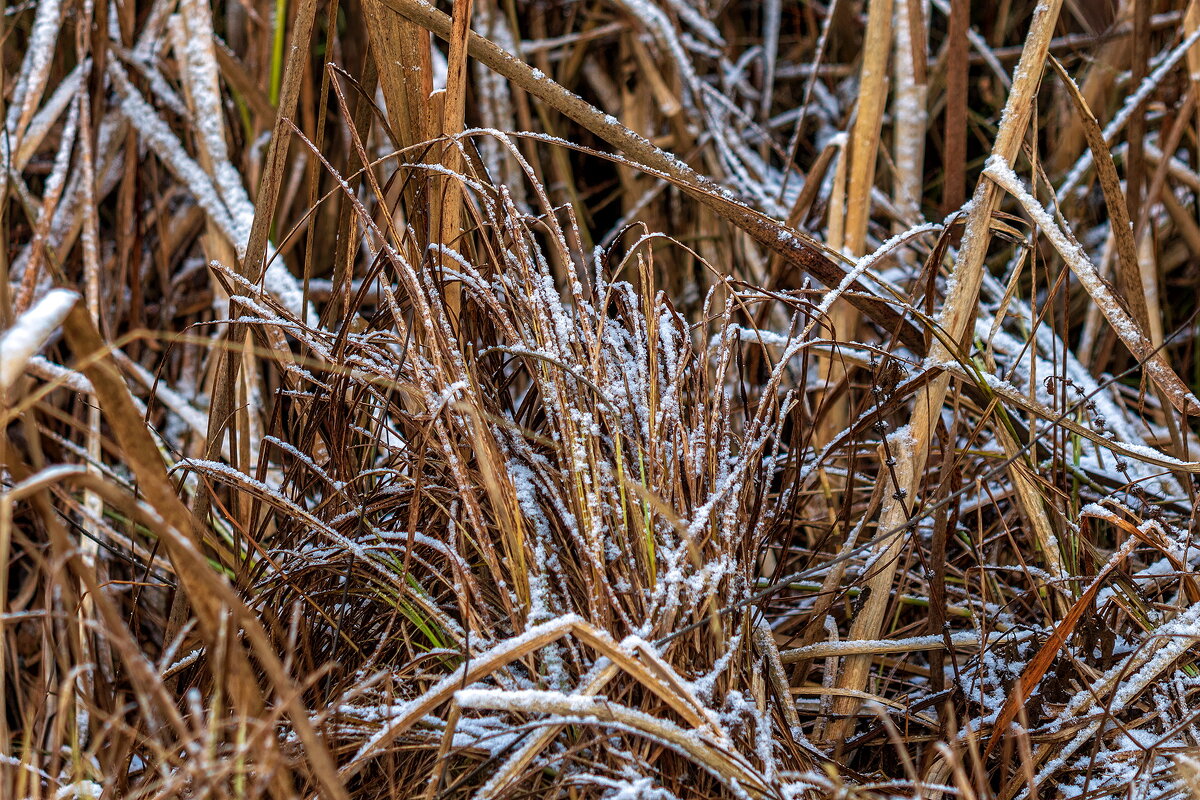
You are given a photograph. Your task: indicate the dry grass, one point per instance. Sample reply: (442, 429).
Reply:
(625, 399)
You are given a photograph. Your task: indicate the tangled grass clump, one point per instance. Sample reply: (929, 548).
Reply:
(575, 399)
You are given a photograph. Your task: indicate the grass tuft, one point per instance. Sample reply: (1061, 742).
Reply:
(634, 399)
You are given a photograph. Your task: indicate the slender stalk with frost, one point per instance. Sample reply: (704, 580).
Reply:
(956, 318)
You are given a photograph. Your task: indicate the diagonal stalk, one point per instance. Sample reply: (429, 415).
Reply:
(956, 319)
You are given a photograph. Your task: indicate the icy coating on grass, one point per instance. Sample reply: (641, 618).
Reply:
(30, 332)
(582, 506)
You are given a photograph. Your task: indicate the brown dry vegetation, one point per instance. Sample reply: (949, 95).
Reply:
(600, 398)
